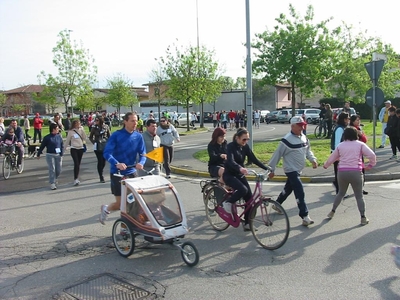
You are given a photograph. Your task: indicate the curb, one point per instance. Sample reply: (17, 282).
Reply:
(304, 179)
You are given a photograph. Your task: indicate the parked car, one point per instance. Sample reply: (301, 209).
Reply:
(310, 115)
(272, 117)
(285, 115)
(263, 114)
(207, 117)
(181, 120)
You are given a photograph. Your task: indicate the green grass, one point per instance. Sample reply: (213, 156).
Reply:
(320, 147)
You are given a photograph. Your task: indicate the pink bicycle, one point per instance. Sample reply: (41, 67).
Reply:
(268, 221)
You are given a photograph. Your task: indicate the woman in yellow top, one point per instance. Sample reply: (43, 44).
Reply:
(76, 139)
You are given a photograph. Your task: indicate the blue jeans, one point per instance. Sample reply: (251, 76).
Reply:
(294, 184)
(54, 163)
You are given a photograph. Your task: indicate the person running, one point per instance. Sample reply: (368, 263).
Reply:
(350, 154)
(76, 139)
(152, 142)
(122, 149)
(234, 173)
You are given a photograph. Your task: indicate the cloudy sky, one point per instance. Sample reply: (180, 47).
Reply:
(125, 36)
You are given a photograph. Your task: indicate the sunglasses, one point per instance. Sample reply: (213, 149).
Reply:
(245, 140)
(162, 120)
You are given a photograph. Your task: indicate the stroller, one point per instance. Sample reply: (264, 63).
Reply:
(150, 207)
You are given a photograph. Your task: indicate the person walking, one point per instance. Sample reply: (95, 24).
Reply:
(392, 132)
(168, 134)
(234, 173)
(341, 123)
(355, 122)
(383, 118)
(76, 139)
(125, 150)
(27, 127)
(217, 153)
(322, 120)
(53, 143)
(294, 148)
(328, 120)
(57, 120)
(99, 134)
(37, 128)
(350, 154)
(2, 127)
(67, 124)
(152, 142)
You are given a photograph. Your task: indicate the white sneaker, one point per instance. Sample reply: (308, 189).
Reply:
(307, 221)
(53, 186)
(228, 207)
(393, 157)
(104, 214)
(76, 182)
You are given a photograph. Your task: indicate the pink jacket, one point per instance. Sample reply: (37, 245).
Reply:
(349, 154)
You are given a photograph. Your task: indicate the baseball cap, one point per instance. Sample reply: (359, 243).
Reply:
(298, 121)
(388, 102)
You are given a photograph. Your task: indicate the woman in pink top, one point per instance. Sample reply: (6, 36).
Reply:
(349, 153)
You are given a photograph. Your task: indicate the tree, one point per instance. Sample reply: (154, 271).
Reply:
(158, 78)
(3, 99)
(76, 70)
(48, 98)
(297, 52)
(193, 76)
(120, 92)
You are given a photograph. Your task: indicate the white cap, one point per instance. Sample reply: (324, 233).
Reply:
(298, 120)
(388, 102)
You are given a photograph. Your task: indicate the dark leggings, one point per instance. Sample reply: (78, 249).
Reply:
(76, 155)
(394, 143)
(168, 153)
(101, 162)
(241, 188)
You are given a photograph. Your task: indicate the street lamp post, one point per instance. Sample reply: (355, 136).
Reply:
(249, 92)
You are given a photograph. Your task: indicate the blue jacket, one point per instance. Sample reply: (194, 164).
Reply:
(124, 147)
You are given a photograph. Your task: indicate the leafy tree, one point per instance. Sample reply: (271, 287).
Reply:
(158, 78)
(76, 70)
(120, 92)
(3, 99)
(297, 51)
(48, 98)
(193, 76)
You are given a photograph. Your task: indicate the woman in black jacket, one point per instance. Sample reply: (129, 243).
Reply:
(217, 153)
(234, 174)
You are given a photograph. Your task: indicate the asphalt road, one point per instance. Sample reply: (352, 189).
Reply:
(51, 240)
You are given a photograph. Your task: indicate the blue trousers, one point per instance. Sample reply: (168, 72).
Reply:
(294, 184)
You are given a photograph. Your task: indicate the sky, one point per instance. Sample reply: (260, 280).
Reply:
(126, 36)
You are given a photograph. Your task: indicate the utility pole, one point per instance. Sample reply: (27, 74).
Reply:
(249, 92)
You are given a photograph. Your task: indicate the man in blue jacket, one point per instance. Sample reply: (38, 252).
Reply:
(122, 149)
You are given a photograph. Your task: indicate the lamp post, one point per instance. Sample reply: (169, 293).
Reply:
(249, 92)
(69, 70)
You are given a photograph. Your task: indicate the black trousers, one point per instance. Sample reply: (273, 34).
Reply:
(76, 155)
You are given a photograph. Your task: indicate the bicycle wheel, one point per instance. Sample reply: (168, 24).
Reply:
(213, 198)
(123, 238)
(316, 132)
(21, 167)
(269, 228)
(189, 253)
(6, 166)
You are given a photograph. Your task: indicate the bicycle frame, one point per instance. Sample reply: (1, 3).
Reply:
(247, 206)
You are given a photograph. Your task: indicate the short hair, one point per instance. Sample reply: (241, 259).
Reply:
(350, 134)
(150, 121)
(392, 108)
(13, 120)
(53, 126)
(397, 112)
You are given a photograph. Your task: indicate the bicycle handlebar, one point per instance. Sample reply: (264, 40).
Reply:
(262, 175)
(118, 174)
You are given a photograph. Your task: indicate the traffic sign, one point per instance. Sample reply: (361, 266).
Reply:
(379, 97)
(378, 69)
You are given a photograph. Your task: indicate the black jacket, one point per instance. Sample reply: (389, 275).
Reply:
(214, 152)
(391, 127)
(236, 155)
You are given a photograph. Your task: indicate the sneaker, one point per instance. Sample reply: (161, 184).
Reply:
(246, 227)
(53, 186)
(278, 211)
(307, 221)
(364, 221)
(331, 214)
(168, 176)
(381, 146)
(104, 214)
(393, 157)
(365, 192)
(346, 196)
(76, 182)
(102, 179)
(227, 206)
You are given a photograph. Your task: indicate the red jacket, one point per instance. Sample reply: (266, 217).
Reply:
(37, 123)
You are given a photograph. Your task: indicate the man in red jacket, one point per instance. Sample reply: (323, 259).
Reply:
(37, 127)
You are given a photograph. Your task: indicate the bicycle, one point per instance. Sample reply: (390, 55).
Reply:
(10, 160)
(269, 222)
(320, 136)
